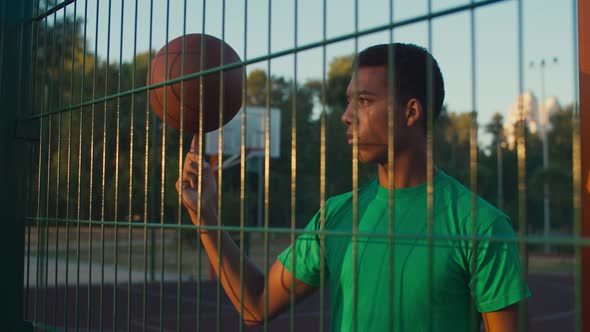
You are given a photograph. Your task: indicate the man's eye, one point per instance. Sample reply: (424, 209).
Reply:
(359, 101)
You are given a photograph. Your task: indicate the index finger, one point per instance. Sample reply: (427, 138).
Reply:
(194, 144)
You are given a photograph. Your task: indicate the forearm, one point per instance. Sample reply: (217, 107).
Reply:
(224, 256)
(506, 319)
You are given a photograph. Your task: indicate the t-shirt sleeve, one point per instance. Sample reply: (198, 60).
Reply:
(496, 281)
(306, 253)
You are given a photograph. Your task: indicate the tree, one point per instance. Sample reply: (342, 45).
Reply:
(256, 88)
(496, 129)
(66, 73)
(339, 74)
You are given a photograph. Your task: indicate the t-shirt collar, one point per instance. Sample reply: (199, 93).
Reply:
(409, 192)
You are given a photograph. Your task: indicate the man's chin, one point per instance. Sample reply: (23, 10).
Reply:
(368, 159)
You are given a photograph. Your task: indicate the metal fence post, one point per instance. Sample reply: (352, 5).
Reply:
(584, 111)
(15, 29)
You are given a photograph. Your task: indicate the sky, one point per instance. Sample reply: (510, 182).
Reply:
(547, 33)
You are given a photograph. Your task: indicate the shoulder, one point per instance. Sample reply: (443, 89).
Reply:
(342, 203)
(462, 201)
(343, 199)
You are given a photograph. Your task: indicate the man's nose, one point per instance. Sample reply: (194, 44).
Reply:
(347, 115)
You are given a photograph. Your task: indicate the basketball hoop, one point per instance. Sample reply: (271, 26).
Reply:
(254, 135)
(236, 160)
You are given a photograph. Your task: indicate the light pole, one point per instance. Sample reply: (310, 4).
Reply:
(501, 144)
(543, 123)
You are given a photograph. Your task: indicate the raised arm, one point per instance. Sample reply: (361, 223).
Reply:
(280, 281)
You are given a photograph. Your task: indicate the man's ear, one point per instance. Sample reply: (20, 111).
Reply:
(413, 112)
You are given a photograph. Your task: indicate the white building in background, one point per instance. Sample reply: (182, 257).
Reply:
(549, 107)
(537, 116)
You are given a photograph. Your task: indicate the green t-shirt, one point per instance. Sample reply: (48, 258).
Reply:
(462, 281)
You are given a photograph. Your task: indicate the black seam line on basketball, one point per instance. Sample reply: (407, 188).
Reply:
(178, 97)
(153, 93)
(161, 104)
(277, 54)
(170, 115)
(562, 240)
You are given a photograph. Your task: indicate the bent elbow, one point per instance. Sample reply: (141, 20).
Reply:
(255, 319)
(250, 322)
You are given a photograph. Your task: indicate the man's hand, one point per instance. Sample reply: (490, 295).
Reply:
(189, 184)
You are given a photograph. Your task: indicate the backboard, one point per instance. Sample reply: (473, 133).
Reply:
(255, 129)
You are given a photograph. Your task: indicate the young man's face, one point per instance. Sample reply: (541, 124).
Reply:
(372, 104)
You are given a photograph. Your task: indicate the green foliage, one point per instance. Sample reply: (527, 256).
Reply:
(108, 159)
(339, 73)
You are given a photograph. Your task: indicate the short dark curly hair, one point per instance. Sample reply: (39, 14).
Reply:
(411, 73)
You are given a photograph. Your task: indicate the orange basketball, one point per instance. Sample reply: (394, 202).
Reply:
(168, 99)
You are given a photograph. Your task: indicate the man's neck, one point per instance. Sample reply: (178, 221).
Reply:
(409, 170)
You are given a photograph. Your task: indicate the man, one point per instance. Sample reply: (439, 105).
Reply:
(420, 283)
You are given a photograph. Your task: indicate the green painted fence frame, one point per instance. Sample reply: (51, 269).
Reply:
(19, 135)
